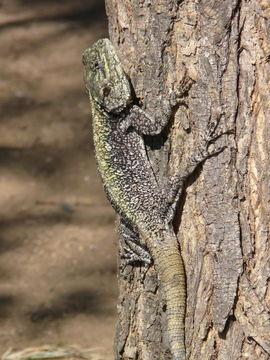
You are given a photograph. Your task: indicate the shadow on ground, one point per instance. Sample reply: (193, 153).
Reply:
(57, 244)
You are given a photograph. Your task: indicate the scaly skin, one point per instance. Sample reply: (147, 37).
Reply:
(170, 268)
(128, 179)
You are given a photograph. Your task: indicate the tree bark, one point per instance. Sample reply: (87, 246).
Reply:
(222, 49)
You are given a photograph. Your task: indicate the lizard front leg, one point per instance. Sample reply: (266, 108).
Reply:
(146, 124)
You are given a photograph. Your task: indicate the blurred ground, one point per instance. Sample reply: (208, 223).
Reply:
(57, 243)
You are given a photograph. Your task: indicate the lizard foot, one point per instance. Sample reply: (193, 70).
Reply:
(206, 147)
(134, 252)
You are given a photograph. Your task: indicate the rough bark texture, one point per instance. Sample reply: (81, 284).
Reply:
(223, 218)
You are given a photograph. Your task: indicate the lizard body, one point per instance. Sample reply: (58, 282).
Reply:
(129, 181)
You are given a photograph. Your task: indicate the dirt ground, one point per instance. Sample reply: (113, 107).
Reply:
(58, 282)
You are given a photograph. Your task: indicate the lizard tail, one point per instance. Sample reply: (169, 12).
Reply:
(170, 268)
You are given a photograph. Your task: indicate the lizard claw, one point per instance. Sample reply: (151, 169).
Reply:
(205, 149)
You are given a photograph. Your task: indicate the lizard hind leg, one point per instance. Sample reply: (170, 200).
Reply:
(132, 251)
(198, 155)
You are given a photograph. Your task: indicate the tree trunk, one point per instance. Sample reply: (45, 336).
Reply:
(221, 49)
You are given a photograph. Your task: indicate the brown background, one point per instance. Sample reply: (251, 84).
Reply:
(57, 243)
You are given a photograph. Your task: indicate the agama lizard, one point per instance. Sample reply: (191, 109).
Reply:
(146, 210)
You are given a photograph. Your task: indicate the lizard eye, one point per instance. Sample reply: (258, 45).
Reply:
(106, 91)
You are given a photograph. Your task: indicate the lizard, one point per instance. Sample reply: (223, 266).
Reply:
(146, 210)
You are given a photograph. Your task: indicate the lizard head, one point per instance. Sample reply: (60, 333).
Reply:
(105, 78)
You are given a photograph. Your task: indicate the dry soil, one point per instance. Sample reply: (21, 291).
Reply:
(58, 282)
